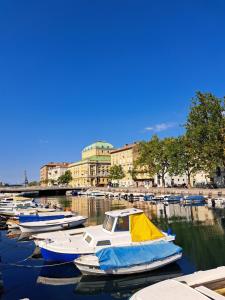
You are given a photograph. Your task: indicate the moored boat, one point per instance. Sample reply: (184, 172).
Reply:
(201, 285)
(51, 225)
(129, 260)
(193, 200)
(45, 216)
(172, 199)
(62, 235)
(120, 228)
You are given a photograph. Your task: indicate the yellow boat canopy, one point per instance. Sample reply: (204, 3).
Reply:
(142, 229)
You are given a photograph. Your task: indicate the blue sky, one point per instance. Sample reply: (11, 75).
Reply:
(76, 71)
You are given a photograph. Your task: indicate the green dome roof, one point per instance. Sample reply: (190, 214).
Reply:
(99, 145)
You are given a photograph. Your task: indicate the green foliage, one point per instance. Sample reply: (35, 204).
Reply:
(182, 160)
(201, 148)
(33, 183)
(116, 172)
(134, 173)
(66, 178)
(205, 131)
(154, 156)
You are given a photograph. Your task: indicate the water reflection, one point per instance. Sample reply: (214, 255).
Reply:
(199, 231)
(95, 208)
(124, 286)
(118, 287)
(58, 275)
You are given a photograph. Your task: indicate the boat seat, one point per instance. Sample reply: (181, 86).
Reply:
(207, 292)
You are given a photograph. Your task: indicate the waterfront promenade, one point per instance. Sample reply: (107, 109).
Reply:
(59, 190)
(165, 191)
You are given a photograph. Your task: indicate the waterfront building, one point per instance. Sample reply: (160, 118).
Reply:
(50, 172)
(126, 157)
(93, 168)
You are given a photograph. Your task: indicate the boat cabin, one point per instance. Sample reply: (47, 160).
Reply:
(118, 220)
(116, 229)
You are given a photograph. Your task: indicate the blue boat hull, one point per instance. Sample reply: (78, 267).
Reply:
(54, 256)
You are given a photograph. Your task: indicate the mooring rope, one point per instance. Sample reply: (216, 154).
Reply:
(16, 264)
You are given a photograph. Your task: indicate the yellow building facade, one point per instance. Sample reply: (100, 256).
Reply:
(126, 157)
(93, 169)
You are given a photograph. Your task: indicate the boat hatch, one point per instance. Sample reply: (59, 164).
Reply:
(103, 243)
(88, 239)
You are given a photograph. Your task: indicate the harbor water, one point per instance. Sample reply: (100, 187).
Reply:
(199, 231)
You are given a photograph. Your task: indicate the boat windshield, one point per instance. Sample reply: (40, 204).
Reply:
(108, 223)
(122, 224)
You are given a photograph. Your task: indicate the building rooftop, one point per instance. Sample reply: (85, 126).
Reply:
(56, 164)
(124, 148)
(99, 145)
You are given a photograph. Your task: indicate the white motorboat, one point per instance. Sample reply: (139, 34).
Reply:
(96, 194)
(216, 202)
(82, 193)
(45, 216)
(35, 216)
(16, 212)
(10, 205)
(21, 204)
(201, 285)
(51, 225)
(62, 235)
(120, 228)
(15, 198)
(129, 260)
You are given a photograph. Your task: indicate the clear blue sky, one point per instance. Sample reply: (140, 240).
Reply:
(76, 71)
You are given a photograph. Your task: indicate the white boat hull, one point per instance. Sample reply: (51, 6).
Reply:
(201, 285)
(87, 268)
(51, 225)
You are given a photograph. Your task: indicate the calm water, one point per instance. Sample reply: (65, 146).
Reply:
(199, 230)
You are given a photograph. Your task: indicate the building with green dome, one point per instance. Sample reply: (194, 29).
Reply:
(93, 168)
(99, 148)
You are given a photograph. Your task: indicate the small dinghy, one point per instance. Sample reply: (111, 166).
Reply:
(129, 259)
(51, 225)
(38, 216)
(202, 285)
(45, 216)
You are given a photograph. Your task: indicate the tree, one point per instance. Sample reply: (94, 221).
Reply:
(182, 160)
(116, 172)
(154, 156)
(65, 178)
(33, 183)
(206, 131)
(134, 173)
(45, 181)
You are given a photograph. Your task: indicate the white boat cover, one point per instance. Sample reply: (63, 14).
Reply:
(170, 290)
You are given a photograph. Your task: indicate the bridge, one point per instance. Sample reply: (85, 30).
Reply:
(42, 190)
